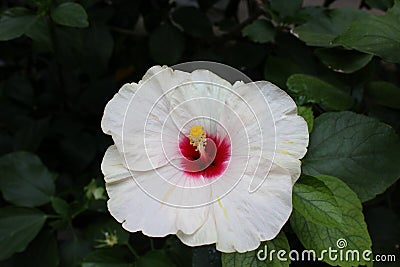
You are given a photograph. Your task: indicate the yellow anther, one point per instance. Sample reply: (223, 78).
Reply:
(197, 137)
(196, 131)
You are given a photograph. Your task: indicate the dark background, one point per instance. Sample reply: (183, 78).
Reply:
(58, 73)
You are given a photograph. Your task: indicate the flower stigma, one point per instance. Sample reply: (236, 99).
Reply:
(204, 155)
(198, 137)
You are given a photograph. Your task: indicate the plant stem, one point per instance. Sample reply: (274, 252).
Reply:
(133, 251)
(151, 244)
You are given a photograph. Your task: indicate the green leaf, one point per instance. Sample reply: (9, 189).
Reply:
(380, 4)
(14, 22)
(322, 28)
(24, 180)
(260, 31)
(40, 33)
(291, 56)
(42, 251)
(60, 206)
(278, 69)
(315, 202)
(294, 49)
(192, 21)
(353, 227)
(279, 243)
(155, 258)
(384, 93)
(307, 113)
(314, 90)
(250, 259)
(286, 8)
(386, 115)
(342, 60)
(378, 35)
(93, 191)
(243, 55)
(71, 15)
(18, 227)
(114, 257)
(360, 150)
(166, 44)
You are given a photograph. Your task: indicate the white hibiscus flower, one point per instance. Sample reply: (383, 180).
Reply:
(203, 159)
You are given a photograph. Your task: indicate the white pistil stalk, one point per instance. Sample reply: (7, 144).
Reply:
(198, 138)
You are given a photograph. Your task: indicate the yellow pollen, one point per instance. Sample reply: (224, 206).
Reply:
(196, 131)
(197, 137)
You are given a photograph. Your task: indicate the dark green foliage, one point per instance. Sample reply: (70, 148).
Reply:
(62, 60)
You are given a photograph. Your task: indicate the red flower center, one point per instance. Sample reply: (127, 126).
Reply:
(212, 164)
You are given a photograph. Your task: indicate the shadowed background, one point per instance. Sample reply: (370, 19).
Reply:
(61, 61)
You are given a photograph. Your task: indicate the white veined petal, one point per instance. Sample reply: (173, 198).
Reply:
(136, 115)
(202, 97)
(291, 129)
(292, 136)
(137, 210)
(291, 164)
(275, 110)
(241, 220)
(140, 212)
(115, 109)
(112, 166)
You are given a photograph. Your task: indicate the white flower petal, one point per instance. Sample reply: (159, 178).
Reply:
(135, 118)
(292, 131)
(241, 220)
(275, 110)
(138, 211)
(292, 165)
(115, 109)
(112, 166)
(202, 97)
